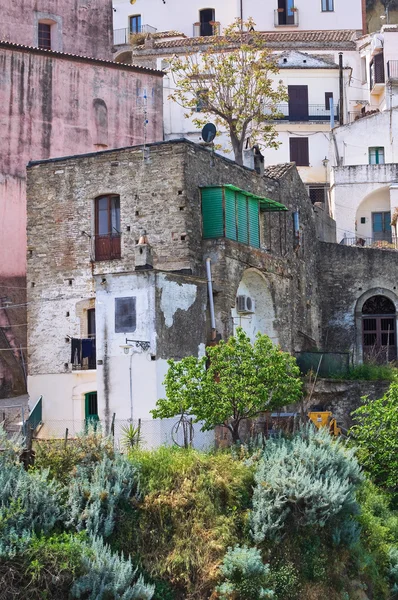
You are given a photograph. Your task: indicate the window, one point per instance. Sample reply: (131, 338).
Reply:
(44, 36)
(286, 12)
(201, 99)
(327, 5)
(328, 98)
(378, 329)
(298, 102)
(381, 226)
(299, 151)
(377, 74)
(206, 18)
(135, 24)
(376, 155)
(125, 315)
(317, 194)
(107, 227)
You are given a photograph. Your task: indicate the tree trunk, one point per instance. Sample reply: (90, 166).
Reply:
(237, 146)
(235, 432)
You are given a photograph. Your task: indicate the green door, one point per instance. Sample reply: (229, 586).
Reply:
(91, 409)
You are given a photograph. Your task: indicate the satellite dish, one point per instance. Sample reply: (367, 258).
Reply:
(209, 132)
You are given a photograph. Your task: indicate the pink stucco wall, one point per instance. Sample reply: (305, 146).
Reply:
(51, 106)
(81, 27)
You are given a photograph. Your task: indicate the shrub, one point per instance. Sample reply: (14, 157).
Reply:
(305, 481)
(284, 579)
(96, 492)
(195, 507)
(108, 575)
(375, 434)
(61, 459)
(29, 503)
(246, 575)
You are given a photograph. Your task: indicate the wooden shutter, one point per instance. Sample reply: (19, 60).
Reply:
(254, 224)
(243, 224)
(378, 62)
(298, 102)
(212, 213)
(230, 214)
(299, 151)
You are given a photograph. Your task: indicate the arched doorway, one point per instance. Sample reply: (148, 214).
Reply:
(379, 329)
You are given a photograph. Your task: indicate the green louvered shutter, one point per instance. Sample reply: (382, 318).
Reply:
(254, 227)
(212, 213)
(230, 214)
(243, 229)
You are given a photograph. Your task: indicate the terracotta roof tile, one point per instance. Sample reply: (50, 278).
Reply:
(167, 34)
(318, 39)
(277, 171)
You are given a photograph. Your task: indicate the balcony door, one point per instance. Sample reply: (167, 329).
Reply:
(379, 329)
(298, 102)
(285, 12)
(381, 226)
(207, 16)
(107, 227)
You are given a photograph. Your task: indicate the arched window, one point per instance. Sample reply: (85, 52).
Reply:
(101, 122)
(207, 18)
(107, 227)
(379, 329)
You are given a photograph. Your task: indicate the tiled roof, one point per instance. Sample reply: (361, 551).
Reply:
(167, 34)
(277, 171)
(77, 57)
(318, 39)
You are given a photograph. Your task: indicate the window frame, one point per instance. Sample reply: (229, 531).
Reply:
(49, 27)
(327, 6)
(379, 153)
(139, 27)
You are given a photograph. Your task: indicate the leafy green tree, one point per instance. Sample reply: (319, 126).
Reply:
(241, 381)
(231, 82)
(375, 434)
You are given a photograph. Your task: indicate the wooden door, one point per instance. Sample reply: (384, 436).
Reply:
(298, 102)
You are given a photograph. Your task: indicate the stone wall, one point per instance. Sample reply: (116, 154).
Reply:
(347, 277)
(82, 27)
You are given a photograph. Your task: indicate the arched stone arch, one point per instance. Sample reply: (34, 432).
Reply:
(377, 201)
(101, 122)
(377, 291)
(255, 285)
(125, 57)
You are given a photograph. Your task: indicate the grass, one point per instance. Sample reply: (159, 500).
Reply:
(368, 372)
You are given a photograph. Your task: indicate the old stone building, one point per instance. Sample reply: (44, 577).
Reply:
(60, 94)
(118, 247)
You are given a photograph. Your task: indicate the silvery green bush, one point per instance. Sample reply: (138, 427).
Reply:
(245, 575)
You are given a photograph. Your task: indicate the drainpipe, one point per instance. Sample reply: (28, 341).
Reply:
(131, 387)
(211, 299)
(241, 15)
(341, 104)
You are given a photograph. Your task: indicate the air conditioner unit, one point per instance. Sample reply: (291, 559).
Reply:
(245, 304)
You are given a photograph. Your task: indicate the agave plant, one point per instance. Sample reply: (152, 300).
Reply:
(131, 436)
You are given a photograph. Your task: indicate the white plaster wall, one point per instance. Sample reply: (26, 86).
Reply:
(180, 16)
(378, 201)
(253, 284)
(354, 140)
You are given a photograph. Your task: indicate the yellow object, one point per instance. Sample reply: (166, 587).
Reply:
(325, 419)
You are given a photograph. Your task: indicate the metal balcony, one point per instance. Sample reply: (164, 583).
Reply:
(121, 37)
(382, 241)
(286, 18)
(311, 112)
(107, 247)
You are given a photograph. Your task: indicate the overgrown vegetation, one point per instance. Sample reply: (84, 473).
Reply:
(368, 372)
(291, 518)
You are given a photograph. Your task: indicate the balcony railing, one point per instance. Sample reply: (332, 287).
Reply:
(206, 29)
(383, 241)
(107, 247)
(392, 69)
(84, 354)
(122, 37)
(286, 18)
(315, 112)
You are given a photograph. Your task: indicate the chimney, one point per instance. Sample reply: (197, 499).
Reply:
(143, 253)
(364, 24)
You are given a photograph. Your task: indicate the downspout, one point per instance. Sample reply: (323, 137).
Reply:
(211, 299)
(341, 81)
(131, 387)
(241, 15)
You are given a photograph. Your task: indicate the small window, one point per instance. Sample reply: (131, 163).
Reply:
(207, 18)
(376, 156)
(327, 5)
(201, 99)
(125, 315)
(317, 194)
(44, 36)
(299, 151)
(135, 24)
(328, 98)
